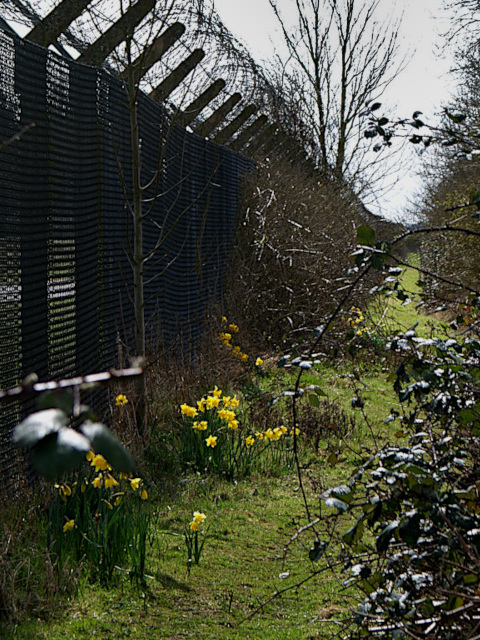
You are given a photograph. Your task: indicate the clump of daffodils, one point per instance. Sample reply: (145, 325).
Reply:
(355, 320)
(228, 337)
(209, 408)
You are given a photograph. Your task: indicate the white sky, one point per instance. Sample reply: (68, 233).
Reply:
(423, 85)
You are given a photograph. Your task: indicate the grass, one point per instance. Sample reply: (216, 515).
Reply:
(248, 556)
(250, 524)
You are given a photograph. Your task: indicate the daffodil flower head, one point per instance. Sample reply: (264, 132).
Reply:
(68, 526)
(135, 483)
(233, 328)
(258, 362)
(250, 441)
(98, 481)
(188, 411)
(217, 392)
(100, 463)
(211, 441)
(212, 402)
(144, 494)
(199, 517)
(194, 525)
(244, 357)
(110, 481)
(120, 400)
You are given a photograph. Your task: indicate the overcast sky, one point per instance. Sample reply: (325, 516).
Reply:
(425, 83)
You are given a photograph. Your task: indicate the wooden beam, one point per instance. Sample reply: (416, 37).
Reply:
(206, 127)
(154, 52)
(171, 82)
(248, 133)
(189, 114)
(54, 24)
(263, 138)
(96, 53)
(232, 127)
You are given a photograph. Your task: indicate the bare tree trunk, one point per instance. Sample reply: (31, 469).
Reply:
(138, 253)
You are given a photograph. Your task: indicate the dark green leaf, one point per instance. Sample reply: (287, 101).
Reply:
(366, 235)
(59, 452)
(354, 534)
(316, 552)
(314, 400)
(383, 540)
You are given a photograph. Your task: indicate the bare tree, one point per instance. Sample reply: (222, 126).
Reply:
(340, 57)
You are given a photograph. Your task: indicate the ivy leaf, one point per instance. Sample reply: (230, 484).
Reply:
(340, 505)
(366, 235)
(104, 442)
(317, 551)
(386, 534)
(59, 452)
(37, 426)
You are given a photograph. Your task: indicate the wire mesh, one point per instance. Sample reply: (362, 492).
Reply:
(66, 227)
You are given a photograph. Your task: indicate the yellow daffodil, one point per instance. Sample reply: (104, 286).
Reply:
(297, 431)
(224, 320)
(188, 411)
(135, 483)
(110, 481)
(249, 441)
(212, 401)
(244, 357)
(233, 328)
(90, 456)
(121, 400)
(258, 362)
(194, 525)
(68, 526)
(201, 404)
(198, 516)
(269, 434)
(64, 491)
(100, 463)
(97, 483)
(277, 433)
(217, 392)
(259, 435)
(233, 424)
(200, 426)
(234, 402)
(226, 401)
(226, 414)
(236, 350)
(283, 429)
(211, 441)
(144, 494)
